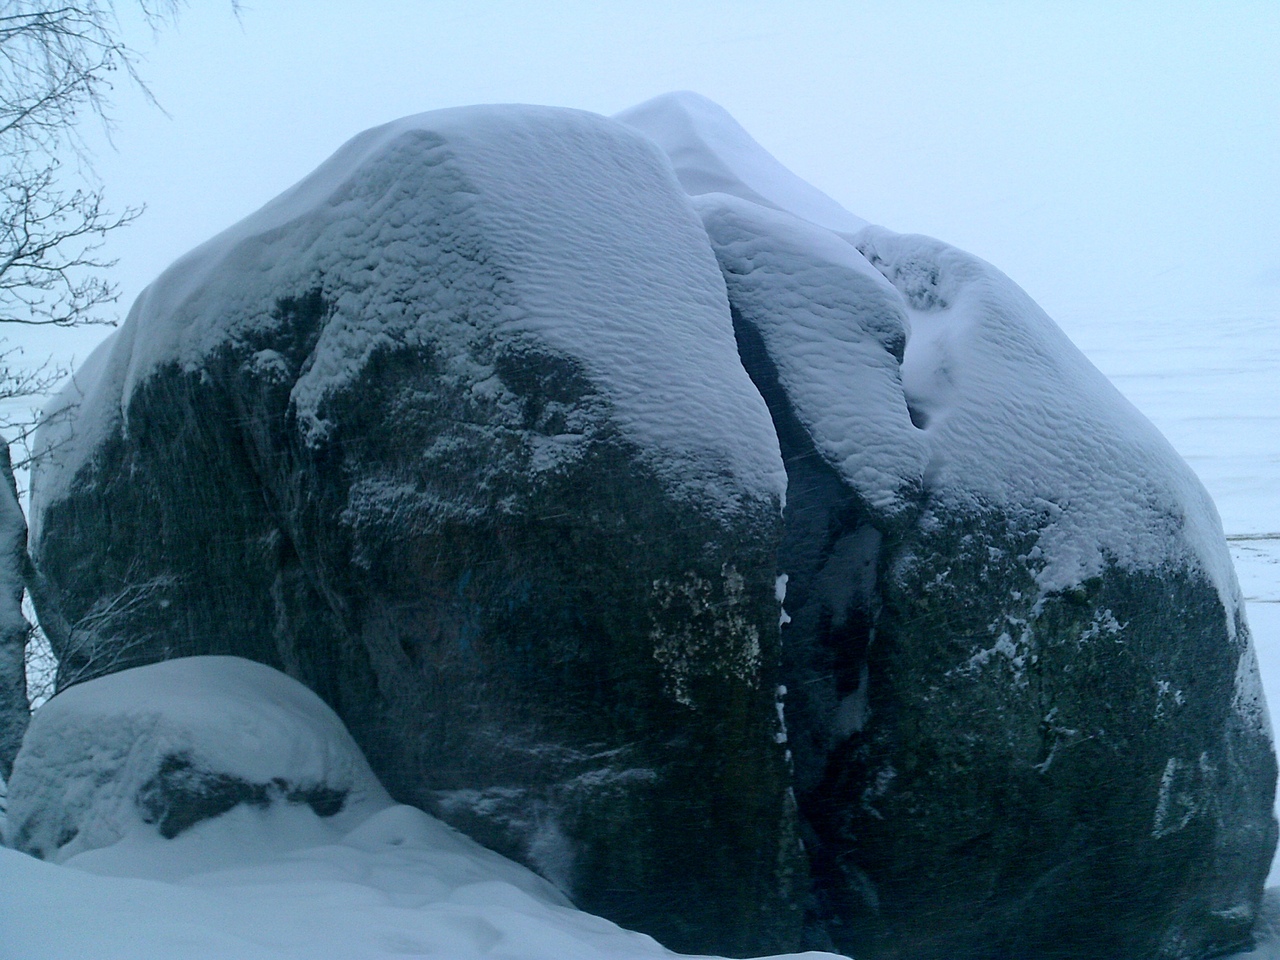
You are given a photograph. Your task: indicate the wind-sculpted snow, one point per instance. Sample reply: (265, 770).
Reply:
(496, 240)
(836, 332)
(712, 153)
(1016, 417)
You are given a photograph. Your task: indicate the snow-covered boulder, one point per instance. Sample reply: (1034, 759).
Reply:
(153, 751)
(1024, 707)
(455, 432)
(482, 432)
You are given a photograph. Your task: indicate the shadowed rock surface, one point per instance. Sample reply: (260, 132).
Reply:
(544, 605)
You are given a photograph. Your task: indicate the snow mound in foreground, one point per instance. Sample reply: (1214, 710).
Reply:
(401, 883)
(266, 878)
(151, 752)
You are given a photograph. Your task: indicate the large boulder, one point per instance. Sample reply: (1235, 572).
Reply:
(455, 432)
(1023, 703)
(483, 432)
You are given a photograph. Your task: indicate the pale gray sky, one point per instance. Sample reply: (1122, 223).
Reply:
(1111, 158)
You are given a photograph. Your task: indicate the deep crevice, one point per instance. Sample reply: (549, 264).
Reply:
(830, 553)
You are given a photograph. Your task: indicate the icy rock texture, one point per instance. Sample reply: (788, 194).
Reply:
(455, 432)
(482, 432)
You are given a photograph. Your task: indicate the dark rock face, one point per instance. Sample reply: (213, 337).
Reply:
(14, 629)
(434, 445)
(987, 768)
(527, 627)
(182, 794)
(1096, 793)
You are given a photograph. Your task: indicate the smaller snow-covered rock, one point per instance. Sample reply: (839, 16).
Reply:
(161, 748)
(261, 881)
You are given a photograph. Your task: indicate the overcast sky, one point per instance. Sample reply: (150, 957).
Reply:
(1113, 158)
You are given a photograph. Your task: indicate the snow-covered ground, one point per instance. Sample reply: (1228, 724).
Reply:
(402, 884)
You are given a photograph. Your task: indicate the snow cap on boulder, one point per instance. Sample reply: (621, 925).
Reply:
(834, 331)
(406, 219)
(160, 748)
(712, 153)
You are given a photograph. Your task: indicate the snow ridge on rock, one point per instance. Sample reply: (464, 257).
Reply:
(360, 223)
(1016, 416)
(836, 332)
(712, 153)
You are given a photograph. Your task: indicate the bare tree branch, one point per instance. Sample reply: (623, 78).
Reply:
(59, 63)
(58, 66)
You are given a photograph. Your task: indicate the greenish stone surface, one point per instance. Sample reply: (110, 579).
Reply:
(567, 663)
(1093, 791)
